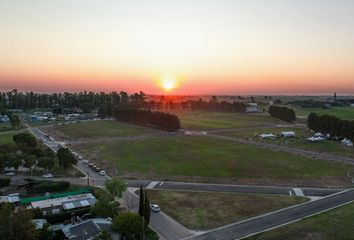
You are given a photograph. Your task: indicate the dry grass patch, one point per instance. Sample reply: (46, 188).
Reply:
(205, 210)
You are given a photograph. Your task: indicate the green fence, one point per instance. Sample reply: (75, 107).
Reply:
(25, 201)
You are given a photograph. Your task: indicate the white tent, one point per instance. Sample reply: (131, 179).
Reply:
(267, 135)
(316, 139)
(288, 134)
(347, 142)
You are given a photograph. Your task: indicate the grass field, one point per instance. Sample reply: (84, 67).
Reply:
(341, 112)
(332, 147)
(204, 210)
(217, 120)
(6, 137)
(187, 157)
(335, 224)
(94, 129)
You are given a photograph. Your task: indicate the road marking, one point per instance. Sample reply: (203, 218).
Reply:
(152, 184)
(299, 192)
(290, 192)
(161, 183)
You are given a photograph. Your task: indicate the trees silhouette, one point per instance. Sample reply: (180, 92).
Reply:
(329, 124)
(161, 120)
(283, 113)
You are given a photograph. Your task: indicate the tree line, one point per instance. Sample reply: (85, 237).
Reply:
(283, 113)
(61, 102)
(332, 125)
(164, 121)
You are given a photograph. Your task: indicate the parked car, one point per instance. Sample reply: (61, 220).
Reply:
(97, 169)
(154, 207)
(90, 165)
(85, 161)
(10, 174)
(48, 175)
(102, 173)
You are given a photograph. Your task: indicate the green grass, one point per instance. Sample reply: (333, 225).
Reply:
(341, 112)
(302, 134)
(217, 120)
(210, 159)
(6, 138)
(335, 224)
(96, 129)
(205, 210)
(5, 127)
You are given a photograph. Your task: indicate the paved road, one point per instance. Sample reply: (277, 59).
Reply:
(244, 189)
(160, 222)
(274, 147)
(266, 222)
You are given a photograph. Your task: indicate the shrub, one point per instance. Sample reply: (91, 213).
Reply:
(4, 182)
(50, 186)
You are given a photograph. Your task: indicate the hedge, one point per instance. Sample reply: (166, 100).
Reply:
(4, 182)
(49, 186)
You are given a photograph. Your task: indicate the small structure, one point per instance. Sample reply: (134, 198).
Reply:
(347, 142)
(11, 198)
(39, 223)
(253, 108)
(316, 139)
(267, 136)
(289, 134)
(64, 204)
(4, 119)
(81, 231)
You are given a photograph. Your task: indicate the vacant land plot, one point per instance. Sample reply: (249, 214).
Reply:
(341, 112)
(217, 120)
(335, 224)
(202, 158)
(6, 137)
(333, 147)
(94, 129)
(204, 210)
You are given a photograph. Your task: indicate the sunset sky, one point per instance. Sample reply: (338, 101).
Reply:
(178, 47)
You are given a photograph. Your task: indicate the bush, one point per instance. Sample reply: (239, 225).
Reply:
(4, 182)
(50, 186)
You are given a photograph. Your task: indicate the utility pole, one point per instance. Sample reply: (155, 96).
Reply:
(88, 178)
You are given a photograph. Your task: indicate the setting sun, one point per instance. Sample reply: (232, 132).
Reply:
(168, 83)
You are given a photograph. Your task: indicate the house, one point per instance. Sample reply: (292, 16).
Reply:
(267, 136)
(39, 223)
(253, 108)
(81, 231)
(289, 134)
(11, 198)
(64, 204)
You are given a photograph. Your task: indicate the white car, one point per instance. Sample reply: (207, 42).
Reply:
(85, 161)
(10, 174)
(48, 175)
(102, 173)
(154, 207)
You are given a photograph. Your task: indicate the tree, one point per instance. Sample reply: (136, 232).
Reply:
(104, 207)
(15, 121)
(16, 225)
(104, 235)
(65, 157)
(128, 224)
(147, 210)
(25, 139)
(30, 161)
(141, 202)
(45, 233)
(116, 187)
(46, 162)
